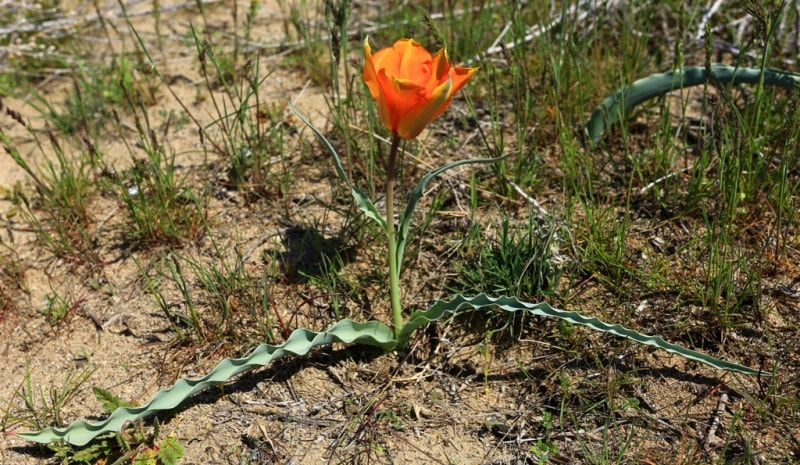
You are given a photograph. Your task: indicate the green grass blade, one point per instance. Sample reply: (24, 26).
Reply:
(445, 308)
(620, 103)
(362, 200)
(416, 195)
(79, 433)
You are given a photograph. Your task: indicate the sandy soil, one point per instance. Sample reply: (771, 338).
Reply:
(450, 403)
(322, 408)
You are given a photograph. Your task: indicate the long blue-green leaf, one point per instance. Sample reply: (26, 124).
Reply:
(416, 195)
(79, 433)
(362, 199)
(620, 103)
(445, 308)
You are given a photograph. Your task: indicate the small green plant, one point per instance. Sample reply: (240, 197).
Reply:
(521, 261)
(64, 193)
(187, 327)
(544, 450)
(134, 445)
(56, 308)
(32, 407)
(234, 305)
(240, 302)
(162, 209)
(310, 51)
(517, 260)
(247, 132)
(97, 92)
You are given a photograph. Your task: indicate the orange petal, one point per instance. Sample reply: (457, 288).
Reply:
(401, 46)
(369, 74)
(417, 117)
(389, 58)
(415, 62)
(460, 76)
(399, 97)
(441, 66)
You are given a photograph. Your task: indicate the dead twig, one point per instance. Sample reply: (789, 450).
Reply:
(716, 420)
(528, 198)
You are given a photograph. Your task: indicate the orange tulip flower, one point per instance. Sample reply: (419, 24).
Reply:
(412, 87)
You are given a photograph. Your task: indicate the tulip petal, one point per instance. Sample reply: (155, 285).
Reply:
(441, 66)
(369, 74)
(419, 116)
(460, 76)
(415, 63)
(386, 59)
(389, 58)
(398, 98)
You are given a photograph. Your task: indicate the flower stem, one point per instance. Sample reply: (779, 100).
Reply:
(394, 267)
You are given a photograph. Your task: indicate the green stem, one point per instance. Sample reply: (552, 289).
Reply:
(394, 275)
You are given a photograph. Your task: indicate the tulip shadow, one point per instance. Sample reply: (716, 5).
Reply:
(308, 254)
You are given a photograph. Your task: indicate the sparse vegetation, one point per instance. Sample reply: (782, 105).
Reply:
(150, 150)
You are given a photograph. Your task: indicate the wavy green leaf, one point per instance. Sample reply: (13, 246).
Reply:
(373, 333)
(619, 104)
(445, 308)
(362, 199)
(417, 194)
(79, 433)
